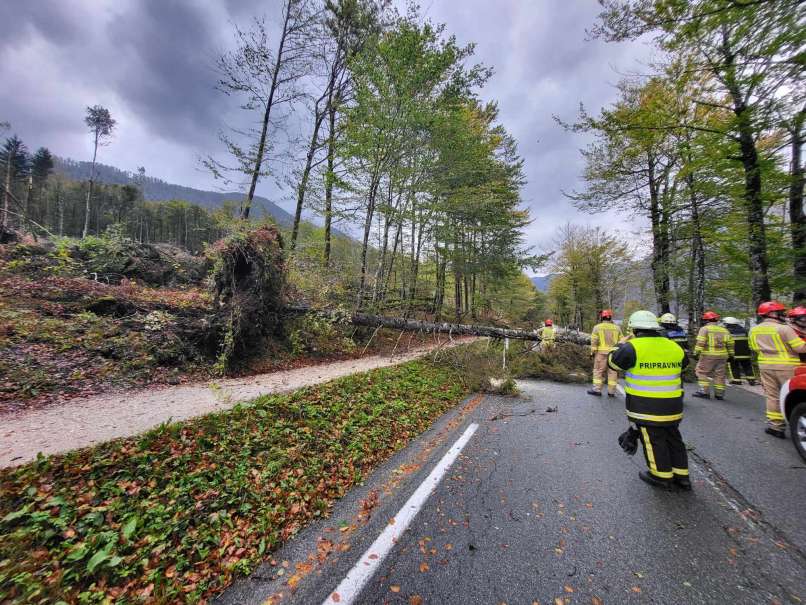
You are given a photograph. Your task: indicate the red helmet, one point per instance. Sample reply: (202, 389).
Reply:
(549, 322)
(606, 313)
(771, 306)
(797, 312)
(710, 316)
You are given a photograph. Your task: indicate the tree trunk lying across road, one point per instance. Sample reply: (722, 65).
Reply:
(415, 325)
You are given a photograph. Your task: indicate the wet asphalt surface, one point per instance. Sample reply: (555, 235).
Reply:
(544, 507)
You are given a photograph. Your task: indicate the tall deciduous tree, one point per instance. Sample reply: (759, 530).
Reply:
(101, 125)
(629, 165)
(797, 218)
(268, 78)
(749, 50)
(345, 26)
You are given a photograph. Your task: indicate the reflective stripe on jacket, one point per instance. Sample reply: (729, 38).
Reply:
(777, 344)
(604, 337)
(653, 381)
(714, 341)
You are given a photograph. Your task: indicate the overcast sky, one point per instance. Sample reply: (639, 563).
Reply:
(150, 62)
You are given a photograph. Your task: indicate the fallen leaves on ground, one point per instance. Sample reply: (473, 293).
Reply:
(205, 500)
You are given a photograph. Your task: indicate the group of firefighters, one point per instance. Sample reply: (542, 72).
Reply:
(652, 355)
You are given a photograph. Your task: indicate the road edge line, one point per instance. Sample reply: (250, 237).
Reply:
(355, 580)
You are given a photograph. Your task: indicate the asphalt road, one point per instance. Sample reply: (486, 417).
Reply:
(544, 507)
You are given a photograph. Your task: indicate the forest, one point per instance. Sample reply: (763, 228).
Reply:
(401, 149)
(398, 149)
(706, 144)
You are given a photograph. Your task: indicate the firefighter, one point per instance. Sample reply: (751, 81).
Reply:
(604, 338)
(797, 319)
(673, 330)
(777, 346)
(547, 335)
(653, 367)
(714, 347)
(741, 364)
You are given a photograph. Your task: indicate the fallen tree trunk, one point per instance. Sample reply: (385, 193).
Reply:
(415, 325)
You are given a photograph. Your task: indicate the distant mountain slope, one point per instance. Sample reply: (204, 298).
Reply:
(156, 189)
(542, 282)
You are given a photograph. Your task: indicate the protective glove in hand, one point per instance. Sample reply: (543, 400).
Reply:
(628, 441)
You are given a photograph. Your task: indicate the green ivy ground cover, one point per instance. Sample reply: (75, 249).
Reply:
(174, 515)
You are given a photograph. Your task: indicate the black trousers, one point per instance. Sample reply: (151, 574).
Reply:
(664, 450)
(741, 367)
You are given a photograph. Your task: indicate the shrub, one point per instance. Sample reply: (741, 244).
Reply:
(318, 335)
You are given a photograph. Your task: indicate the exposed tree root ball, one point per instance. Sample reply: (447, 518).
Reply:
(247, 284)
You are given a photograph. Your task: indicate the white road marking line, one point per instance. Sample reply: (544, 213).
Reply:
(355, 580)
(620, 389)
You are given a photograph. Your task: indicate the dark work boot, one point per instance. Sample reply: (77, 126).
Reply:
(702, 395)
(611, 394)
(751, 382)
(682, 482)
(719, 396)
(775, 432)
(594, 392)
(734, 381)
(654, 481)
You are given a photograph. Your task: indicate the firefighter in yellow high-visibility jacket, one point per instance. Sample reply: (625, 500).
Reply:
(777, 346)
(547, 335)
(604, 339)
(714, 347)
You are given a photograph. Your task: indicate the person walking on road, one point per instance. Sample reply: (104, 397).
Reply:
(742, 363)
(714, 348)
(547, 335)
(604, 338)
(673, 330)
(778, 347)
(653, 367)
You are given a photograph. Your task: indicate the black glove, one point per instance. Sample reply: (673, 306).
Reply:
(628, 441)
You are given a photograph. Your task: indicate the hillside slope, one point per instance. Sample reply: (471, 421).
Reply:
(156, 189)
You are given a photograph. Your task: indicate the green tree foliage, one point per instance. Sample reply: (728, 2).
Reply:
(401, 152)
(594, 271)
(745, 60)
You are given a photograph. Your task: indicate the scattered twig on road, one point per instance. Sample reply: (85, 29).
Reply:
(502, 416)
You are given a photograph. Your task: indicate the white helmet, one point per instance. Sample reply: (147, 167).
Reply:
(732, 321)
(643, 320)
(667, 318)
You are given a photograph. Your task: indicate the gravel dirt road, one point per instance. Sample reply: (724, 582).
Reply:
(83, 422)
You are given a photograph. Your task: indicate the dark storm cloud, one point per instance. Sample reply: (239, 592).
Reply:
(152, 62)
(164, 67)
(55, 21)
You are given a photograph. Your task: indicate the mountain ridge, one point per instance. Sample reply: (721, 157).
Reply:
(155, 189)
(542, 282)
